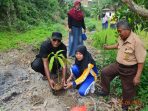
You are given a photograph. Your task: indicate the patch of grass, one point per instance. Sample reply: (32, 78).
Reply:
(107, 36)
(11, 40)
(91, 24)
(99, 25)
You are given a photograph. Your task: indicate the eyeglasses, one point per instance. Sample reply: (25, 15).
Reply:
(56, 40)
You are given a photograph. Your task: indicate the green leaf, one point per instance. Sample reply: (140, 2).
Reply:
(50, 54)
(61, 55)
(51, 63)
(59, 51)
(63, 58)
(61, 62)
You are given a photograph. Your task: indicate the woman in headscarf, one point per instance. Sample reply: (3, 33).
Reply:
(84, 70)
(75, 24)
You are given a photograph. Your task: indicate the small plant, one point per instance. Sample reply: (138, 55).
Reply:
(91, 24)
(58, 58)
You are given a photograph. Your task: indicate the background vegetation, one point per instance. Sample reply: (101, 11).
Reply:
(22, 15)
(33, 37)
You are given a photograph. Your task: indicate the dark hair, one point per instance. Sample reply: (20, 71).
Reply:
(103, 15)
(123, 24)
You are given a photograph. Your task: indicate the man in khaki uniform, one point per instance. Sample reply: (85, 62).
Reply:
(128, 66)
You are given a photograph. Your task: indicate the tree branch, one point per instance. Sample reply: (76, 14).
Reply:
(136, 8)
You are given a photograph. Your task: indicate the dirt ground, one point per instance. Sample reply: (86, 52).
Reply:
(22, 89)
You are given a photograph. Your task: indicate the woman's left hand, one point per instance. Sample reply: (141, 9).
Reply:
(68, 85)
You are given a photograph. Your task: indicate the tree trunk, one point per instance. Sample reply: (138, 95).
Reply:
(136, 8)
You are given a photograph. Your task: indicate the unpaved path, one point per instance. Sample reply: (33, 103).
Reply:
(22, 89)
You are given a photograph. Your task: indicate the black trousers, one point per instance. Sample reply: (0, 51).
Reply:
(37, 65)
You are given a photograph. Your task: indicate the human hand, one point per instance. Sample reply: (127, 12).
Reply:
(68, 85)
(84, 30)
(136, 80)
(69, 79)
(51, 83)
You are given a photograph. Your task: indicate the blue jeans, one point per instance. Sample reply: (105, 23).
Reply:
(105, 25)
(75, 39)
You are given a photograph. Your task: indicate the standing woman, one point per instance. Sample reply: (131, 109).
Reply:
(75, 24)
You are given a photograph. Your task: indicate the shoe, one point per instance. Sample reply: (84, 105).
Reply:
(101, 93)
(92, 88)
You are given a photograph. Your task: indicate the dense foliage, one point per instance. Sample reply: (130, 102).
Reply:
(33, 37)
(121, 10)
(136, 21)
(96, 8)
(23, 14)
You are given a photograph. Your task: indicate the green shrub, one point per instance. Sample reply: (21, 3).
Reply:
(90, 24)
(22, 14)
(107, 36)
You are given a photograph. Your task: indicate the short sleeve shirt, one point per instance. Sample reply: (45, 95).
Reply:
(47, 48)
(131, 51)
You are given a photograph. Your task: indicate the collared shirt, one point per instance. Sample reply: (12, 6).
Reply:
(131, 51)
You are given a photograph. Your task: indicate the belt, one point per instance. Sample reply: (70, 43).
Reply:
(127, 66)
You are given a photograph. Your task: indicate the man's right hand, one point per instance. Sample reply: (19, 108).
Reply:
(51, 83)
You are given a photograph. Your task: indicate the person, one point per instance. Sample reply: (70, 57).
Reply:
(128, 66)
(104, 21)
(75, 24)
(41, 63)
(113, 22)
(85, 72)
